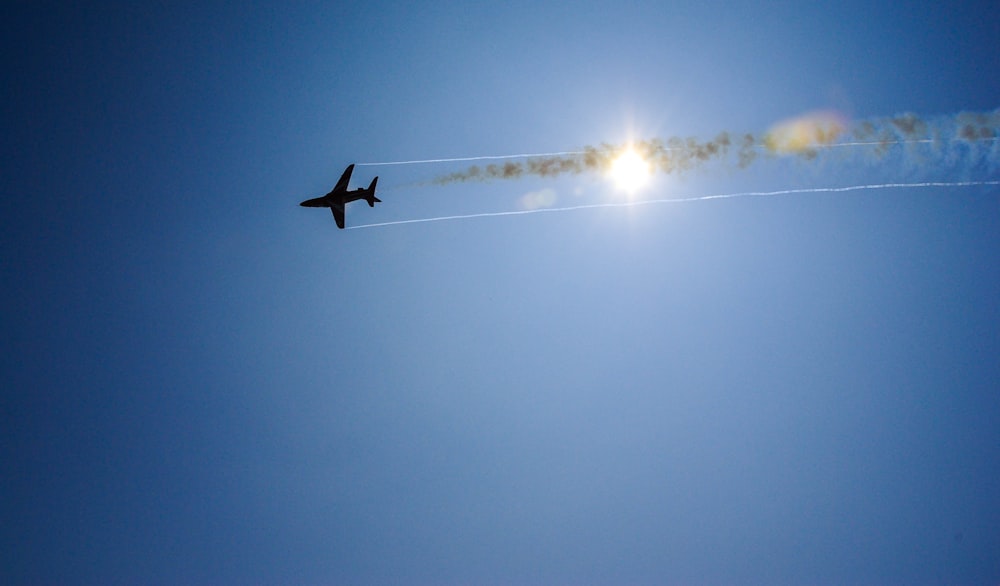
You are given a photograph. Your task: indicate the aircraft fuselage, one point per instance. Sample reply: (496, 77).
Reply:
(334, 198)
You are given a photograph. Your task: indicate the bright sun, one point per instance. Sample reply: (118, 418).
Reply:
(630, 171)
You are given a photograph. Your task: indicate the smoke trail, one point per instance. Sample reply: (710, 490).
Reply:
(623, 204)
(804, 137)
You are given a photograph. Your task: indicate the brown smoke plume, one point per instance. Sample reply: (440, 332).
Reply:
(805, 136)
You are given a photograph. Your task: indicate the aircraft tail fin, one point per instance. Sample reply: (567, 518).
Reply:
(372, 200)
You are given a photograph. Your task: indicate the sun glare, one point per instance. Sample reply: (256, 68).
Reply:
(630, 171)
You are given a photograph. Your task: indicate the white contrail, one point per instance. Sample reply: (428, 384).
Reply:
(760, 146)
(624, 204)
(481, 158)
(568, 153)
(805, 137)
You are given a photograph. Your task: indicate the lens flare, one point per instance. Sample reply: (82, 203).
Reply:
(630, 171)
(805, 133)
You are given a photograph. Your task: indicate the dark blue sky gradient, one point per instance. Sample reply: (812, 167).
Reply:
(203, 383)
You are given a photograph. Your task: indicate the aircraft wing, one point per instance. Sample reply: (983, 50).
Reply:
(341, 186)
(338, 213)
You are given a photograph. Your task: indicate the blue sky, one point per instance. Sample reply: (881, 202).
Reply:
(204, 383)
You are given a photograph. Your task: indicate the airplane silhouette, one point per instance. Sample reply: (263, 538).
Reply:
(340, 197)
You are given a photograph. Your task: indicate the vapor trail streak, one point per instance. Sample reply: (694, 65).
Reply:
(625, 204)
(566, 153)
(480, 158)
(804, 137)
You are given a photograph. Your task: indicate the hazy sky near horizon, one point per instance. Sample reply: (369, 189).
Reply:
(204, 383)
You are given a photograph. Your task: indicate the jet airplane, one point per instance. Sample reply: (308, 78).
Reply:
(339, 197)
